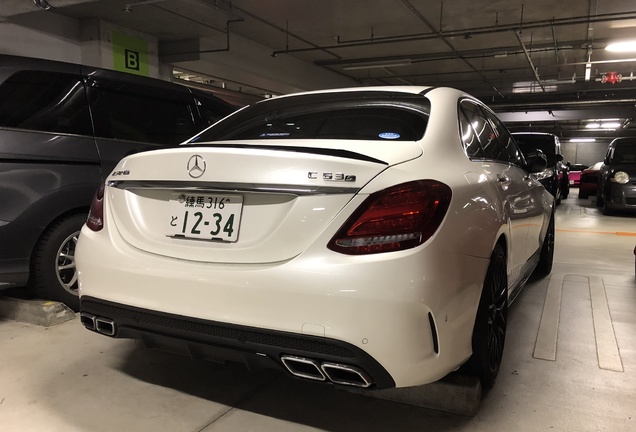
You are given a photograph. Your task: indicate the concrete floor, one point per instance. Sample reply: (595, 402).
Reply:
(64, 378)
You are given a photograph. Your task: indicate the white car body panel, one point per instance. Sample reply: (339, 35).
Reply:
(280, 276)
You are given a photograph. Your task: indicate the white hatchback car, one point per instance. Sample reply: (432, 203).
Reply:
(371, 237)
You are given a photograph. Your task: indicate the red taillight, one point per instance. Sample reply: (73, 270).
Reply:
(397, 218)
(95, 219)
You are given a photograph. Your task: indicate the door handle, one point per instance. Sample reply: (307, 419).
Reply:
(503, 180)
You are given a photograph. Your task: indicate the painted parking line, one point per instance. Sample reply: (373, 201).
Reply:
(607, 350)
(546, 343)
(606, 347)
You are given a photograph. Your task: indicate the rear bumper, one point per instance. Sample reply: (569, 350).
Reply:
(210, 340)
(407, 317)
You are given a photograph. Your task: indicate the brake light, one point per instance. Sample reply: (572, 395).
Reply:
(95, 219)
(397, 218)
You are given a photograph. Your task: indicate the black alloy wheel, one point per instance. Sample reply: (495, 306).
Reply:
(546, 258)
(489, 334)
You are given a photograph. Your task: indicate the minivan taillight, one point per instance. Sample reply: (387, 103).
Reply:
(397, 218)
(95, 219)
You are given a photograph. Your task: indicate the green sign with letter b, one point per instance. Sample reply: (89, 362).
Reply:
(130, 54)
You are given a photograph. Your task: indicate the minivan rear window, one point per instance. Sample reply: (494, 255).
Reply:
(333, 117)
(125, 115)
(45, 101)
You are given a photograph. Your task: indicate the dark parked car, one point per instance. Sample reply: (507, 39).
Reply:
(555, 177)
(63, 127)
(588, 183)
(617, 179)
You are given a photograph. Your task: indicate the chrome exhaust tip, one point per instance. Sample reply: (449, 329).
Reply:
(303, 367)
(105, 326)
(346, 375)
(88, 320)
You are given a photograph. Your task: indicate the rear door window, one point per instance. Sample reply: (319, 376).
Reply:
(45, 101)
(495, 140)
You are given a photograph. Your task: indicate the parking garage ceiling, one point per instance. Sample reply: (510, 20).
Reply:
(541, 64)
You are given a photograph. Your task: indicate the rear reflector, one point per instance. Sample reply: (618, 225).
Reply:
(397, 218)
(95, 219)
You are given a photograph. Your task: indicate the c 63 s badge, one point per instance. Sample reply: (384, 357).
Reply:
(331, 176)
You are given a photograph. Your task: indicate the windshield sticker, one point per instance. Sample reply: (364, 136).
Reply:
(389, 135)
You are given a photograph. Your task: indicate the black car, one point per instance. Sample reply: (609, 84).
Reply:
(63, 127)
(617, 178)
(555, 177)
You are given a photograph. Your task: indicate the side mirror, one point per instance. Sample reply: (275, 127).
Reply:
(536, 161)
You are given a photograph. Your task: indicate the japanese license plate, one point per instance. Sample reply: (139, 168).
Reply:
(205, 216)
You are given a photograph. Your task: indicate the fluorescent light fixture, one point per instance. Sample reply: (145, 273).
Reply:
(604, 125)
(376, 65)
(622, 47)
(582, 140)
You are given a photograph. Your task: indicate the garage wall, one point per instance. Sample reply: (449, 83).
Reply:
(57, 38)
(90, 42)
(584, 153)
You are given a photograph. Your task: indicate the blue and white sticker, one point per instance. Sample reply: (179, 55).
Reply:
(389, 135)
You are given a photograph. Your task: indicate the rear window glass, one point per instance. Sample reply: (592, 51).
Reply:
(45, 101)
(125, 115)
(331, 116)
(545, 143)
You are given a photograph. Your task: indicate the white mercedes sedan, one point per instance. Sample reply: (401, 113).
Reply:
(367, 237)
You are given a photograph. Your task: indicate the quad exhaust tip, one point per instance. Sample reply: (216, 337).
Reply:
(346, 375)
(334, 372)
(303, 367)
(100, 325)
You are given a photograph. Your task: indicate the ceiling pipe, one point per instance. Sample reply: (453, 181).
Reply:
(469, 32)
(415, 12)
(227, 40)
(272, 25)
(534, 69)
(129, 7)
(481, 53)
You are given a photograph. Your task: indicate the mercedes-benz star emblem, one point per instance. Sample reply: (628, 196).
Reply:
(196, 166)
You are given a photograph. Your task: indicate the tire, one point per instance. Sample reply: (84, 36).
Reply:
(53, 272)
(489, 332)
(582, 195)
(606, 210)
(600, 202)
(546, 258)
(565, 192)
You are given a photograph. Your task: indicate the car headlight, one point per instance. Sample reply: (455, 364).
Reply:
(620, 177)
(549, 172)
